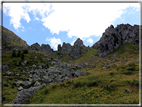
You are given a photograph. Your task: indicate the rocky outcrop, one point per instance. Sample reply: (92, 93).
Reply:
(78, 43)
(37, 78)
(78, 49)
(74, 52)
(66, 48)
(112, 38)
(46, 49)
(24, 94)
(35, 47)
(43, 48)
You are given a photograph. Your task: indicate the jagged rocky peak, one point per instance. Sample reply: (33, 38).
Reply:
(46, 49)
(35, 46)
(78, 43)
(43, 48)
(112, 38)
(65, 49)
(59, 47)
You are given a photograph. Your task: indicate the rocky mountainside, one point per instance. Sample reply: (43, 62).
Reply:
(113, 38)
(75, 51)
(72, 74)
(10, 41)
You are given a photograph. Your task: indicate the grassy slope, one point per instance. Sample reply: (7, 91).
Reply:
(109, 83)
(11, 37)
(102, 86)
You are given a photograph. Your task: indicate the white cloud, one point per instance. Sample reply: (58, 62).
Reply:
(84, 19)
(54, 42)
(36, 18)
(78, 19)
(90, 40)
(18, 11)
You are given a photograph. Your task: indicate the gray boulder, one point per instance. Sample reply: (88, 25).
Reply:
(24, 94)
(106, 64)
(20, 88)
(36, 77)
(40, 67)
(18, 83)
(37, 84)
(5, 67)
(46, 79)
(25, 62)
(34, 65)
(22, 63)
(9, 73)
(26, 84)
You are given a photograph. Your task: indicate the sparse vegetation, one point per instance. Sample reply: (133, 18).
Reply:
(104, 85)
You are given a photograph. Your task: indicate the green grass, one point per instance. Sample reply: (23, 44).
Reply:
(105, 85)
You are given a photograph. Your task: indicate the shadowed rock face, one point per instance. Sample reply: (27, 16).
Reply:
(66, 48)
(78, 43)
(44, 48)
(35, 46)
(112, 38)
(75, 51)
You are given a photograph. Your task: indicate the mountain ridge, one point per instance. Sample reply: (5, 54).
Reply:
(111, 39)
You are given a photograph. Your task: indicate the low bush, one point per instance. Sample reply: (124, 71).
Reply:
(133, 82)
(110, 87)
(77, 84)
(54, 86)
(111, 80)
(25, 51)
(46, 91)
(87, 83)
(14, 53)
(111, 73)
(127, 69)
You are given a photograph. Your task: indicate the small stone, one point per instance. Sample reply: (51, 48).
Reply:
(34, 65)
(20, 88)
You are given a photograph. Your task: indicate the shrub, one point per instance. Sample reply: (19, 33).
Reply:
(111, 80)
(113, 66)
(25, 51)
(133, 82)
(19, 53)
(54, 86)
(92, 83)
(111, 73)
(110, 87)
(14, 53)
(77, 84)
(46, 91)
(22, 56)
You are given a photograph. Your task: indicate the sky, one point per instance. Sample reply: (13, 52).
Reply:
(55, 23)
